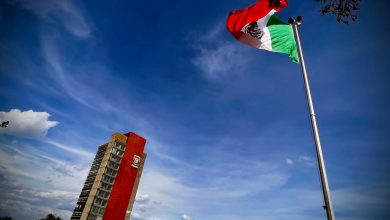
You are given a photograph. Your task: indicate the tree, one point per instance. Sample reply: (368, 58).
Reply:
(344, 10)
(51, 217)
(5, 218)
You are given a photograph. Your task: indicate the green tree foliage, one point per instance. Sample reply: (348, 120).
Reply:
(51, 217)
(345, 11)
(5, 218)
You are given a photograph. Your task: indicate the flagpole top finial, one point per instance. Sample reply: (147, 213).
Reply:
(296, 21)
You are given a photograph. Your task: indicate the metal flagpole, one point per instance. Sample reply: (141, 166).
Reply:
(320, 160)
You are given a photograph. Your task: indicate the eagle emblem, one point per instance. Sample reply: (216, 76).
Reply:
(253, 30)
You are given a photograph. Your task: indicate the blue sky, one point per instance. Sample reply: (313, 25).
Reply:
(227, 126)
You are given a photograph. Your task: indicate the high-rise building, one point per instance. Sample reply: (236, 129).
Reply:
(111, 185)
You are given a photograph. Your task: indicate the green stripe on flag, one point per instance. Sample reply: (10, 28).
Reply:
(282, 38)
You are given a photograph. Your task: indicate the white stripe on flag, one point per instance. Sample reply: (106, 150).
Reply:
(262, 23)
(266, 42)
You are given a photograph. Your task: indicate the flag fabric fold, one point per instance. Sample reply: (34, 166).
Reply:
(259, 27)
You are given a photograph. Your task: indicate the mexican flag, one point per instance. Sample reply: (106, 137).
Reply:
(259, 27)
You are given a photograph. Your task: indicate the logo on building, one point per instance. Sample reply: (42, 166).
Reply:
(136, 161)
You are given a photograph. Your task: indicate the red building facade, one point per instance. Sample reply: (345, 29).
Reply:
(112, 182)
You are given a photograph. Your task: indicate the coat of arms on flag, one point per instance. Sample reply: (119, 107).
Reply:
(259, 27)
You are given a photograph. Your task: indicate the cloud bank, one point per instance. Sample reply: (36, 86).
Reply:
(186, 217)
(26, 123)
(218, 58)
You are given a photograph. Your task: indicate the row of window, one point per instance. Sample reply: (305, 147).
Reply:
(113, 165)
(103, 194)
(119, 145)
(108, 179)
(100, 202)
(82, 200)
(110, 172)
(94, 216)
(76, 215)
(115, 158)
(116, 151)
(96, 211)
(106, 186)
(79, 207)
(85, 193)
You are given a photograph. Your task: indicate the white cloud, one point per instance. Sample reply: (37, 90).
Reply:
(26, 123)
(66, 12)
(39, 182)
(39, 166)
(73, 80)
(222, 60)
(174, 193)
(307, 160)
(142, 199)
(217, 57)
(289, 161)
(71, 149)
(169, 192)
(136, 216)
(185, 217)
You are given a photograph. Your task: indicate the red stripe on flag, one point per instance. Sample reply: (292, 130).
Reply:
(239, 18)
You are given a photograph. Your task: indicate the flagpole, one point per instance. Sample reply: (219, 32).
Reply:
(320, 160)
